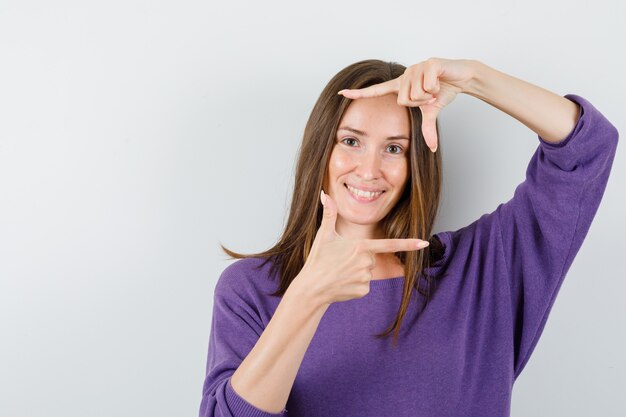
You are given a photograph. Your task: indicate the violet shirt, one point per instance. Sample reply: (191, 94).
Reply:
(462, 354)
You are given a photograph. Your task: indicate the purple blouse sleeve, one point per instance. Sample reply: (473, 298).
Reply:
(543, 226)
(235, 328)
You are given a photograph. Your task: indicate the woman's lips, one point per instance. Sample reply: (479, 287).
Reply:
(361, 199)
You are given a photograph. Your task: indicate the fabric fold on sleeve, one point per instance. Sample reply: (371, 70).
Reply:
(543, 226)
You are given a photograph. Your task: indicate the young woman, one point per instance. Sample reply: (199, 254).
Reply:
(301, 329)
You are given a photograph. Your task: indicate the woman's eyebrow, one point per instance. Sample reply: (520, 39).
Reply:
(360, 132)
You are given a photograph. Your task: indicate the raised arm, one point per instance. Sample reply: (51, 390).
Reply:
(536, 234)
(542, 228)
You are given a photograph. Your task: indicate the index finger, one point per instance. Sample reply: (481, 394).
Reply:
(376, 90)
(394, 245)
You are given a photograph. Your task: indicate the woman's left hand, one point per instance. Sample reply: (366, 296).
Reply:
(430, 85)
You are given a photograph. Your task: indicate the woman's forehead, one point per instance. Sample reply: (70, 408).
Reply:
(379, 116)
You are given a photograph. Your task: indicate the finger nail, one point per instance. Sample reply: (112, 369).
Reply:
(323, 198)
(422, 245)
(341, 91)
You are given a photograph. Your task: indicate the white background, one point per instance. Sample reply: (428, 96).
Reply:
(135, 136)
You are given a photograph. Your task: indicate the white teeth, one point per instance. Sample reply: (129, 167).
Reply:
(365, 194)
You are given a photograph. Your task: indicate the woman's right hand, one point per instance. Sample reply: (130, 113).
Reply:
(339, 269)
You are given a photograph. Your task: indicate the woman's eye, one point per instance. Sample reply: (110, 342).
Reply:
(345, 139)
(348, 142)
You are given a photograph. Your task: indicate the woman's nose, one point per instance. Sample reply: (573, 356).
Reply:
(368, 165)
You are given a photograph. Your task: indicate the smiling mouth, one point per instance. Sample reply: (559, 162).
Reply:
(363, 196)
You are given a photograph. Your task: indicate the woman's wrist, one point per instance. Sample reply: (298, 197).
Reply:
(305, 296)
(475, 86)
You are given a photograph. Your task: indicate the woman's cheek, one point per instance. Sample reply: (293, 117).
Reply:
(397, 171)
(343, 161)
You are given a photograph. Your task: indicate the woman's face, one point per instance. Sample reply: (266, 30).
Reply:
(370, 154)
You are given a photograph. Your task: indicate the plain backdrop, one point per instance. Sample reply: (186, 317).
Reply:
(135, 136)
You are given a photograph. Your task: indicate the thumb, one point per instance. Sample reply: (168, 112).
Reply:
(327, 231)
(429, 127)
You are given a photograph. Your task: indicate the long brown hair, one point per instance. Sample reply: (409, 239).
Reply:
(412, 217)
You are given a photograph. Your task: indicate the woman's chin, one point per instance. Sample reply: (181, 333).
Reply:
(360, 219)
